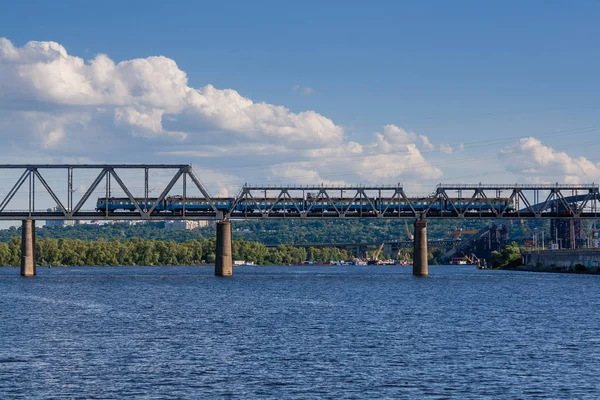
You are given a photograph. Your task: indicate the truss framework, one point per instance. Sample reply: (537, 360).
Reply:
(145, 206)
(522, 201)
(447, 201)
(315, 201)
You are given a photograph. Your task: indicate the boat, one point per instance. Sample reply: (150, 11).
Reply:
(357, 262)
(243, 263)
(340, 262)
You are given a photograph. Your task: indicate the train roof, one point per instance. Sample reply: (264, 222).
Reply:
(166, 198)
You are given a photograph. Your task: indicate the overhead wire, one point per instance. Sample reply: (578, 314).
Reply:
(467, 145)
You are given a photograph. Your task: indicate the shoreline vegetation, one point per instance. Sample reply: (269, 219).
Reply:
(150, 252)
(511, 258)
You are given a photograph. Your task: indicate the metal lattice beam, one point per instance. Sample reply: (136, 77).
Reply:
(312, 201)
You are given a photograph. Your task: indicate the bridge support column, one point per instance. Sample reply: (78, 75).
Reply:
(223, 262)
(420, 267)
(28, 248)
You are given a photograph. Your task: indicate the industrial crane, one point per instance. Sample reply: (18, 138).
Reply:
(408, 232)
(375, 259)
(474, 260)
(403, 259)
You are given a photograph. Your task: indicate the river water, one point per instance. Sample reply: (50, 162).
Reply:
(298, 332)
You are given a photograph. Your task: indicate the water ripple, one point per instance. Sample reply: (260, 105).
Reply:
(297, 332)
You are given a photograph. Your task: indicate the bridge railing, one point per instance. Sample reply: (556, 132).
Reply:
(464, 186)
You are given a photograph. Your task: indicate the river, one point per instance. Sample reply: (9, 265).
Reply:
(298, 332)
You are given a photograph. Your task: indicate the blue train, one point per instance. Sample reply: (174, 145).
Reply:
(175, 205)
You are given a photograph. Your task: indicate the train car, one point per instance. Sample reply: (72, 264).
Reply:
(273, 204)
(442, 205)
(124, 204)
(476, 205)
(402, 205)
(325, 204)
(315, 205)
(200, 204)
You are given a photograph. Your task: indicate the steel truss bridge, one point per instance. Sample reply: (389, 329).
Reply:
(273, 202)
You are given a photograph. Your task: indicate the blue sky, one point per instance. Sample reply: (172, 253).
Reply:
(456, 72)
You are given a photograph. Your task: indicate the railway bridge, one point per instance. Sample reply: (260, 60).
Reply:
(127, 192)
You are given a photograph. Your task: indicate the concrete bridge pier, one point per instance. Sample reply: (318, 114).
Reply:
(420, 266)
(28, 248)
(223, 262)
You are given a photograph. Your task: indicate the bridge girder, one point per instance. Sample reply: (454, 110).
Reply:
(145, 206)
(454, 201)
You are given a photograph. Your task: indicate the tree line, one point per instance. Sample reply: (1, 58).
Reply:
(270, 232)
(114, 252)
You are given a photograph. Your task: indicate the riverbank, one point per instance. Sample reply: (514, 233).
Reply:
(583, 261)
(133, 252)
(575, 270)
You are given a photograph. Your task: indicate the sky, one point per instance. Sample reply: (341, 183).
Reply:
(417, 93)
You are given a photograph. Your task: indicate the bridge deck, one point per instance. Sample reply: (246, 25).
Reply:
(108, 197)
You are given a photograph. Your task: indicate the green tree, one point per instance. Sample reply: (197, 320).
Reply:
(509, 256)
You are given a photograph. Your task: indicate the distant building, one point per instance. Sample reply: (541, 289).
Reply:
(113, 222)
(57, 222)
(99, 222)
(567, 232)
(186, 224)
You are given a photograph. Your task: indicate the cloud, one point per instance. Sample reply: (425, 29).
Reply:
(530, 159)
(305, 90)
(301, 172)
(446, 148)
(392, 155)
(426, 143)
(141, 92)
(143, 110)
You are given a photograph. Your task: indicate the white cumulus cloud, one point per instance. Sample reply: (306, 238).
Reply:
(531, 159)
(141, 92)
(143, 110)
